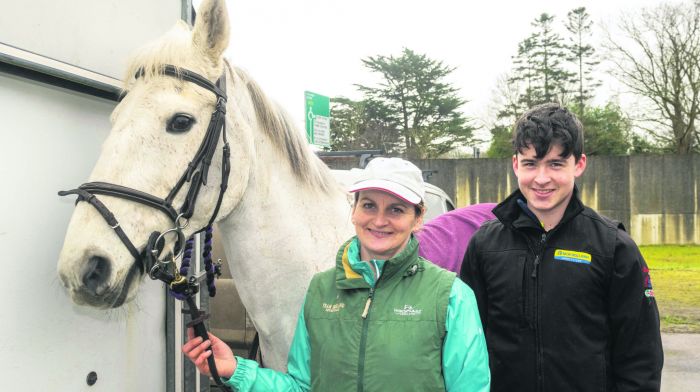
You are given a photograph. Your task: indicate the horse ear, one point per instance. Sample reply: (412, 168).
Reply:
(211, 29)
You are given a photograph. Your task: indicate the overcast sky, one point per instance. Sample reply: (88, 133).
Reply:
(290, 46)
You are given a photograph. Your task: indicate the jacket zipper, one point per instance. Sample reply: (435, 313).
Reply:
(538, 340)
(540, 253)
(363, 340)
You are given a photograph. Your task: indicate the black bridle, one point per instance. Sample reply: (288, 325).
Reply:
(196, 175)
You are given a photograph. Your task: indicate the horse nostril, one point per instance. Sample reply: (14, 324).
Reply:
(97, 271)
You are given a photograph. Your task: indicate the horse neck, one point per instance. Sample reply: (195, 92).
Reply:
(279, 206)
(282, 231)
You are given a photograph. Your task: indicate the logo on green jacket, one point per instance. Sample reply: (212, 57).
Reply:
(333, 308)
(408, 310)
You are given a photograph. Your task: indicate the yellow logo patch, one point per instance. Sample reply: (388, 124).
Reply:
(572, 256)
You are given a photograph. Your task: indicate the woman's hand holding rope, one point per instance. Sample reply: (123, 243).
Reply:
(198, 351)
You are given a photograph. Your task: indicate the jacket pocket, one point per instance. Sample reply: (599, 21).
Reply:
(504, 275)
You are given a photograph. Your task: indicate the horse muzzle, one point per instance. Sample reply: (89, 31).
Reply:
(95, 285)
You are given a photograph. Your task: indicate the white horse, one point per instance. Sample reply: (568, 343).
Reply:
(281, 219)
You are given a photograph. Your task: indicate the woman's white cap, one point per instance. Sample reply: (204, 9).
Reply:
(399, 177)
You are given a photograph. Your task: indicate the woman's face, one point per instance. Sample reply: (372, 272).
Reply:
(383, 224)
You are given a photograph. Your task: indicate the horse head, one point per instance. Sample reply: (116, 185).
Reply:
(157, 128)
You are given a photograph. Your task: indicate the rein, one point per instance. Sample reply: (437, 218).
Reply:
(196, 175)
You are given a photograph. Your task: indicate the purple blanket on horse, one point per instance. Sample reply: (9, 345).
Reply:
(444, 240)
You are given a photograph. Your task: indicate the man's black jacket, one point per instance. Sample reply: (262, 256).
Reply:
(571, 309)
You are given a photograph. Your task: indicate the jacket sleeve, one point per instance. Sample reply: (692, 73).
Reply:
(465, 360)
(470, 274)
(637, 355)
(250, 377)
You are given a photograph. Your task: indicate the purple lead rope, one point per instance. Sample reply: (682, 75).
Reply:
(212, 270)
(186, 256)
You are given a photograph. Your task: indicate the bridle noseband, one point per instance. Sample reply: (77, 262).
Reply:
(196, 175)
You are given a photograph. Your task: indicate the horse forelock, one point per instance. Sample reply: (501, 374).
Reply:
(173, 48)
(277, 125)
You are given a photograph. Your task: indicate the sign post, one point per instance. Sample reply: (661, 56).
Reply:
(318, 119)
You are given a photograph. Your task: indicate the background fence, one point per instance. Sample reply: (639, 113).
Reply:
(656, 197)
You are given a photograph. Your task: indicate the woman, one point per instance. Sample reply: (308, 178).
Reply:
(384, 319)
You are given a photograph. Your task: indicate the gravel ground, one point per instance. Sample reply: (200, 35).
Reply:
(681, 362)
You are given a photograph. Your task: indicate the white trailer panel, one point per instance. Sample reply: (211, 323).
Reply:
(51, 138)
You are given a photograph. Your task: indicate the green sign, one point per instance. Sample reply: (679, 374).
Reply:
(318, 119)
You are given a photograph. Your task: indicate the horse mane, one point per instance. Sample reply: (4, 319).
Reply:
(175, 48)
(278, 126)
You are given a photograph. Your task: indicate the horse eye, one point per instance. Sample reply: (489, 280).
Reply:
(180, 123)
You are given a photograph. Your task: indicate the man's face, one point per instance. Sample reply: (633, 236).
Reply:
(547, 183)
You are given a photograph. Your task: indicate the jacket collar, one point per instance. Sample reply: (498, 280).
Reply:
(347, 278)
(511, 214)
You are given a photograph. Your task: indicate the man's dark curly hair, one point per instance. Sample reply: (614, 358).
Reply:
(546, 124)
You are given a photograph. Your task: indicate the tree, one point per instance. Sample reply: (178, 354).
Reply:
(658, 58)
(538, 69)
(501, 142)
(641, 145)
(607, 130)
(347, 123)
(417, 99)
(581, 54)
(361, 125)
(548, 55)
(525, 74)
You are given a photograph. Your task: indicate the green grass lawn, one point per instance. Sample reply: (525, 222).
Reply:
(675, 276)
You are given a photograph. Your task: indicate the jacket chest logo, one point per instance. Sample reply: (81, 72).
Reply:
(572, 256)
(408, 310)
(332, 308)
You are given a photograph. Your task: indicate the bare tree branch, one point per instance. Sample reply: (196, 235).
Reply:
(656, 57)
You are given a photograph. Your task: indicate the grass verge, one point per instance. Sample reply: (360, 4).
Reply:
(675, 276)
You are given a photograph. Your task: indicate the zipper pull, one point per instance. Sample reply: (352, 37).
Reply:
(368, 303)
(534, 267)
(537, 258)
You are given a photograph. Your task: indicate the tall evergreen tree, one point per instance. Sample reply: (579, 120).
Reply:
(538, 68)
(548, 54)
(582, 55)
(525, 74)
(417, 98)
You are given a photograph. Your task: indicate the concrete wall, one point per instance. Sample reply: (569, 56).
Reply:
(655, 197)
(664, 206)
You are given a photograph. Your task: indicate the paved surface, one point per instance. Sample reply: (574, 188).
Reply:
(681, 363)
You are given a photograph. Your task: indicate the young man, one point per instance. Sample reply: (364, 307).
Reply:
(564, 295)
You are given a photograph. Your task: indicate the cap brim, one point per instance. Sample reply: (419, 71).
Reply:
(393, 188)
